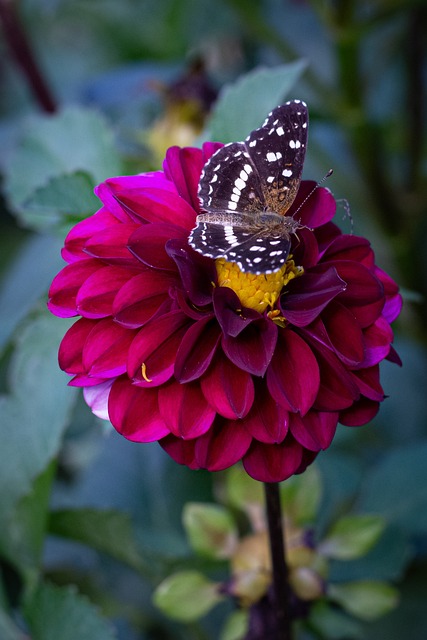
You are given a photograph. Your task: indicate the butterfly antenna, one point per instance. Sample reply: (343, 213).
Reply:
(327, 175)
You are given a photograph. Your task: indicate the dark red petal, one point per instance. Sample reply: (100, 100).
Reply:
(305, 250)
(394, 357)
(393, 304)
(83, 230)
(344, 333)
(315, 431)
(197, 272)
(347, 247)
(337, 388)
(140, 298)
(273, 462)
(308, 295)
(65, 287)
(182, 451)
(368, 381)
(148, 242)
(96, 295)
(71, 349)
(360, 413)
(252, 350)
(134, 412)
(154, 348)
(363, 287)
(196, 350)
(228, 389)
(293, 376)
(184, 409)
(159, 206)
(229, 311)
(110, 245)
(267, 421)
(318, 209)
(325, 235)
(106, 348)
(222, 446)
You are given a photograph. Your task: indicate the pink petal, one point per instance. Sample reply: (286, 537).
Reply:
(228, 389)
(97, 399)
(155, 347)
(222, 446)
(140, 298)
(273, 462)
(134, 412)
(315, 431)
(184, 166)
(106, 348)
(96, 295)
(65, 287)
(252, 350)
(158, 205)
(196, 350)
(293, 376)
(70, 354)
(82, 231)
(184, 409)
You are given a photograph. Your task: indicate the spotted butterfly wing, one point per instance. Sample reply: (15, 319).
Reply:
(247, 187)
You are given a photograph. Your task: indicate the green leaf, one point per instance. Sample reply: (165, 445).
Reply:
(75, 140)
(244, 105)
(301, 495)
(35, 413)
(58, 613)
(65, 198)
(186, 596)
(396, 488)
(242, 491)
(211, 529)
(352, 536)
(333, 624)
(106, 531)
(8, 629)
(236, 626)
(366, 599)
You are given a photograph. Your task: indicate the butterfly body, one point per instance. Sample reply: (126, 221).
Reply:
(247, 187)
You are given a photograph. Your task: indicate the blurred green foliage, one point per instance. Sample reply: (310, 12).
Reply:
(78, 504)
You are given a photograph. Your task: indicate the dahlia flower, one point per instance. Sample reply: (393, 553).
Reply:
(215, 364)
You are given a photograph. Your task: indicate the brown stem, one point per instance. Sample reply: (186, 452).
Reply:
(21, 50)
(281, 591)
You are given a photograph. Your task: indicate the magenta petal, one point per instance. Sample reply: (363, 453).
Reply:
(309, 294)
(222, 446)
(96, 295)
(228, 389)
(228, 310)
(110, 245)
(318, 209)
(134, 412)
(82, 231)
(184, 409)
(368, 381)
(184, 167)
(393, 304)
(378, 338)
(71, 348)
(151, 356)
(182, 451)
(141, 297)
(293, 376)
(65, 286)
(148, 242)
(96, 397)
(253, 348)
(344, 333)
(267, 421)
(196, 350)
(106, 347)
(315, 431)
(360, 413)
(159, 206)
(273, 462)
(394, 357)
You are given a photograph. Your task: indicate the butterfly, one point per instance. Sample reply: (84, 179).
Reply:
(246, 189)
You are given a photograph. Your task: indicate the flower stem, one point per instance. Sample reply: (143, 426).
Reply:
(278, 561)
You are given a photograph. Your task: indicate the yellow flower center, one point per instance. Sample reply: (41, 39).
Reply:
(257, 292)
